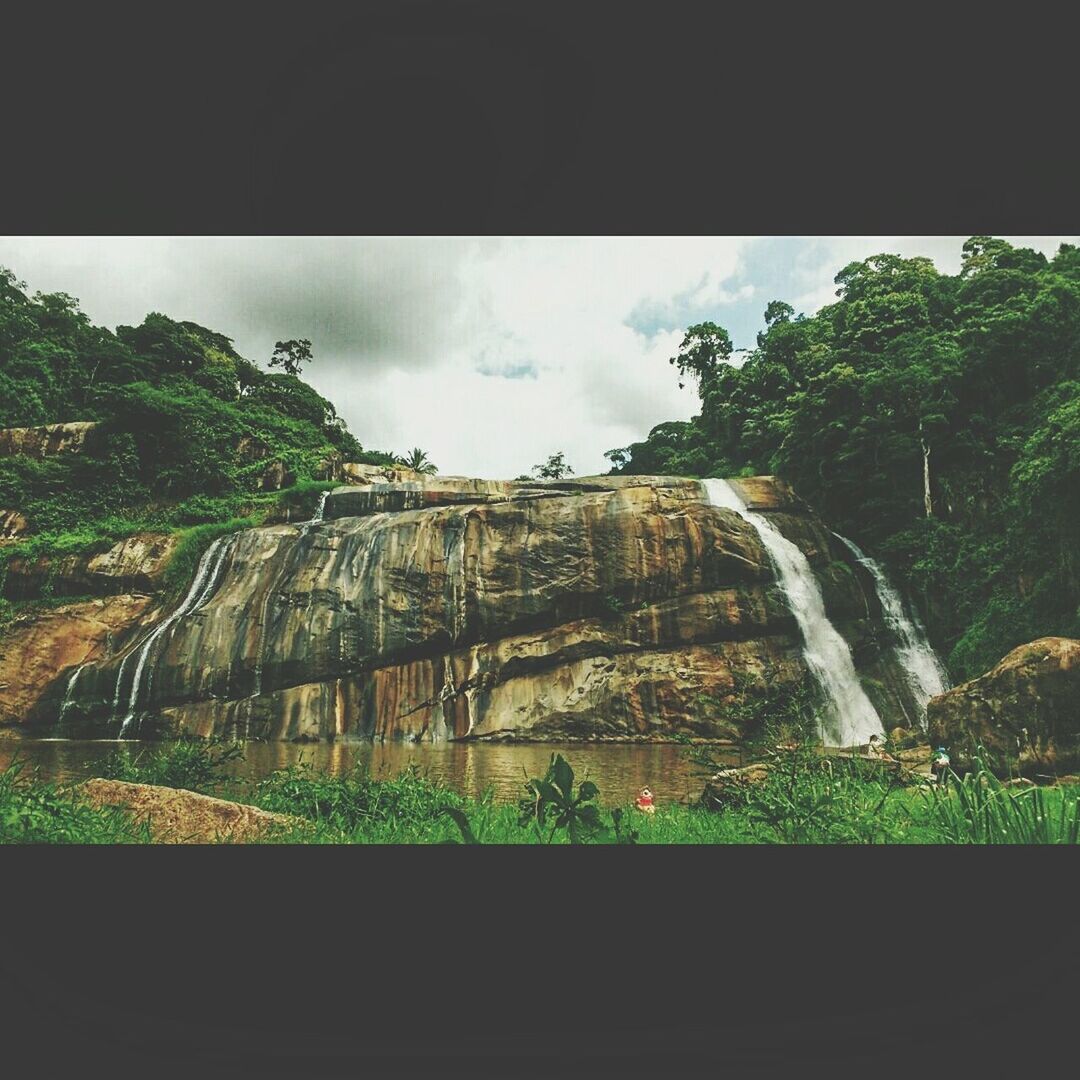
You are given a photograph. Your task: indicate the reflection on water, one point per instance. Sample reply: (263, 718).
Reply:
(620, 770)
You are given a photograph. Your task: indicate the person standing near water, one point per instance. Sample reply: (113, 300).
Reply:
(939, 764)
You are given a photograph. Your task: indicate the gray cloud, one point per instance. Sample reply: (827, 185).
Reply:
(363, 302)
(488, 352)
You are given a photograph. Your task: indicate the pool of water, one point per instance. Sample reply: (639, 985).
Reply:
(620, 770)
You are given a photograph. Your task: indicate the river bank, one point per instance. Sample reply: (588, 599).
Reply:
(803, 798)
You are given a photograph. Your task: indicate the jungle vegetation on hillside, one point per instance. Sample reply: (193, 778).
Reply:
(933, 418)
(187, 428)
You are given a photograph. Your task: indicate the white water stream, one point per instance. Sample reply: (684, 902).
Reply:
(850, 717)
(205, 579)
(925, 675)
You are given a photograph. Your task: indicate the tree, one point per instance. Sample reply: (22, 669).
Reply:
(417, 460)
(555, 468)
(291, 355)
(704, 348)
(930, 416)
(619, 458)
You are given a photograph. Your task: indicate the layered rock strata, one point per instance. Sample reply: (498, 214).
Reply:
(447, 608)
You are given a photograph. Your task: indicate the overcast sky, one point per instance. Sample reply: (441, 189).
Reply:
(489, 353)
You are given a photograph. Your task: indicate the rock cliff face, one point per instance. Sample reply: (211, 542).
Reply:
(35, 648)
(1023, 712)
(136, 564)
(449, 608)
(39, 442)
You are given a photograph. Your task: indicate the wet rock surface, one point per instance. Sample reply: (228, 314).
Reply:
(598, 608)
(37, 646)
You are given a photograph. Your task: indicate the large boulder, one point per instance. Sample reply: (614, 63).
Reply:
(354, 472)
(1024, 713)
(178, 816)
(448, 608)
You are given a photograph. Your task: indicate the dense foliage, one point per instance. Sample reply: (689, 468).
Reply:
(187, 426)
(933, 418)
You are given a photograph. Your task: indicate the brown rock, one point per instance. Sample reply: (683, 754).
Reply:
(730, 785)
(357, 473)
(47, 439)
(12, 525)
(1024, 713)
(249, 450)
(40, 644)
(330, 468)
(136, 564)
(604, 608)
(276, 476)
(767, 493)
(177, 816)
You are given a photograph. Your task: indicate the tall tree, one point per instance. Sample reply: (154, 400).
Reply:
(291, 355)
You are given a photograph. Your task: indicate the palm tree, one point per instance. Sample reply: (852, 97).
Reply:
(417, 460)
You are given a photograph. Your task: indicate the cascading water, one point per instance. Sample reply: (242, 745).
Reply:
(305, 527)
(925, 675)
(319, 510)
(69, 698)
(851, 718)
(205, 579)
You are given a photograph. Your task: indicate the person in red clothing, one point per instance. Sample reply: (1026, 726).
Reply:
(645, 801)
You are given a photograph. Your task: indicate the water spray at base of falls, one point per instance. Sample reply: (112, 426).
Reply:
(925, 675)
(850, 717)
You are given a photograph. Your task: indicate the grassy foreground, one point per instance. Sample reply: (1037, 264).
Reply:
(804, 799)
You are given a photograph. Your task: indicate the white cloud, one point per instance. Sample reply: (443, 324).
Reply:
(490, 353)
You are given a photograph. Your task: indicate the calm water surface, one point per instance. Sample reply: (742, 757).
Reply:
(620, 770)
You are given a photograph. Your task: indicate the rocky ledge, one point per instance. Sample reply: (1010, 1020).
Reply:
(449, 608)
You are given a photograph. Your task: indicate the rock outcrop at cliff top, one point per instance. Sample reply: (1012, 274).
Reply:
(443, 607)
(47, 439)
(1024, 713)
(136, 564)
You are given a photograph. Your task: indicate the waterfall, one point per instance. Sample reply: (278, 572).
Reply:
(320, 509)
(69, 698)
(850, 717)
(304, 529)
(205, 578)
(925, 675)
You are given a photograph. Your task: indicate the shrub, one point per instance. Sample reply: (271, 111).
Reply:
(35, 812)
(193, 764)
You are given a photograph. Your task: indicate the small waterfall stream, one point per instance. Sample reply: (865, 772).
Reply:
(851, 718)
(205, 579)
(305, 528)
(205, 583)
(925, 675)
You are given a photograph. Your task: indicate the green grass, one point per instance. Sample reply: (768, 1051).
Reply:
(33, 811)
(805, 800)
